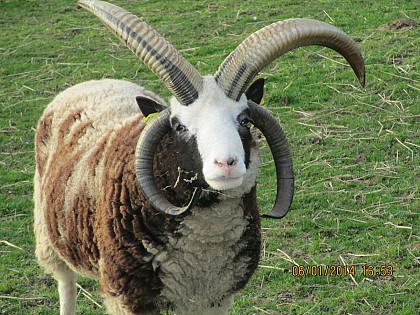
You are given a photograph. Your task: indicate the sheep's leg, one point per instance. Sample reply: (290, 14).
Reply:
(67, 290)
(48, 258)
(66, 278)
(52, 263)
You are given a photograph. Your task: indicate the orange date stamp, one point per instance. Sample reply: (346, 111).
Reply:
(341, 270)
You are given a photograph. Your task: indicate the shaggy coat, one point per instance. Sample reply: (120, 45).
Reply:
(90, 216)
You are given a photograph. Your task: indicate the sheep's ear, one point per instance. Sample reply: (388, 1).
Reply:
(255, 92)
(149, 106)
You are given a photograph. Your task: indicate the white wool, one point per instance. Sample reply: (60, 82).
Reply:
(116, 99)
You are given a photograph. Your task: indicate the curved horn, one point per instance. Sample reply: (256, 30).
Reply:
(146, 147)
(161, 57)
(282, 156)
(272, 41)
(154, 132)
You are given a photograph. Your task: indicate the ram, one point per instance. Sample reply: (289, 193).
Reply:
(164, 214)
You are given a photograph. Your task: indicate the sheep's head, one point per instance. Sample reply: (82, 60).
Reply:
(216, 111)
(220, 127)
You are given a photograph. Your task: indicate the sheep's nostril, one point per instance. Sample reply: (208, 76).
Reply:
(230, 161)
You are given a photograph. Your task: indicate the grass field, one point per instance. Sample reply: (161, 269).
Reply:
(356, 151)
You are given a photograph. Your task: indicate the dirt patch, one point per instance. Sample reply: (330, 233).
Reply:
(403, 24)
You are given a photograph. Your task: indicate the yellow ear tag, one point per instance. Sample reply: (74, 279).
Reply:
(262, 102)
(147, 119)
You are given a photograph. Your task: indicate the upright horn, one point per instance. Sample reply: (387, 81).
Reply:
(272, 41)
(158, 54)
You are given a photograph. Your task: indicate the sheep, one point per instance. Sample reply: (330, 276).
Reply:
(162, 211)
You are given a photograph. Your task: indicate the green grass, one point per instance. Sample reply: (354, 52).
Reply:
(356, 151)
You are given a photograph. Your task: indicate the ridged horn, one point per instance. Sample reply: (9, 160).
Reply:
(147, 145)
(159, 55)
(262, 47)
(279, 146)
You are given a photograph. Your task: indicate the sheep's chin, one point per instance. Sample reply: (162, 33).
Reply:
(225, 184)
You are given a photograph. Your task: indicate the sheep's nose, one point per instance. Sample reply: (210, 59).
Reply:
(226, 162)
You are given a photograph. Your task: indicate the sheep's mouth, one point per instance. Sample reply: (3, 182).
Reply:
(225, 183)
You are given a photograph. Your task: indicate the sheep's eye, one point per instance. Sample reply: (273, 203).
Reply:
(177, 126)
(181, 128)
(244, 118)
(245, 122)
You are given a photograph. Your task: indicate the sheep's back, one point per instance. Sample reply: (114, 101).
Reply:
(85, 113)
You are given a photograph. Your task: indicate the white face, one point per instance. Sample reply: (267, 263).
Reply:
(212, 119)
